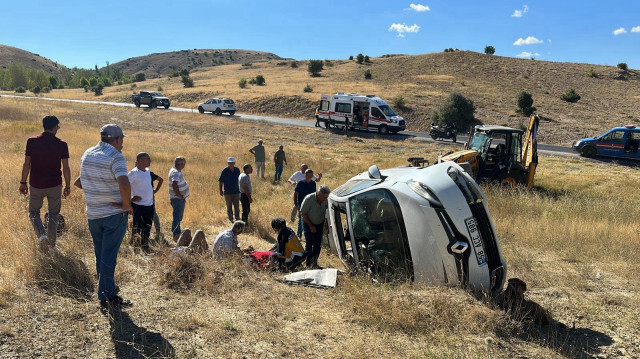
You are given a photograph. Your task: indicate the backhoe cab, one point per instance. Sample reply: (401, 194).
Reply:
(502, 154)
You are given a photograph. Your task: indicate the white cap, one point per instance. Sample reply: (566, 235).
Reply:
(231, 160)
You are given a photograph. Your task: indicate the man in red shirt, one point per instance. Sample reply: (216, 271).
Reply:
(42, 160)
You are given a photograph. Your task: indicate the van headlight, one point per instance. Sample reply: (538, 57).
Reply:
(425, 192)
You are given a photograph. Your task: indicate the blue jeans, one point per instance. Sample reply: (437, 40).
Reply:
(107, 234)
(178, 212)
(313, 243)
(300, 222)
(278, 171)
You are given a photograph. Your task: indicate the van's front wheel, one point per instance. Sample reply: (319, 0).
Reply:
(383, 130)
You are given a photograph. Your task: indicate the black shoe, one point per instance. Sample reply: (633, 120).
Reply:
(115, 302)
(116, 289)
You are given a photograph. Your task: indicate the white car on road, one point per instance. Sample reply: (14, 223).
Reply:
(218, 106)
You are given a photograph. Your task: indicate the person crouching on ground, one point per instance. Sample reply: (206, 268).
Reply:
(288, 250)
(178, 193)
(226, 243)
(313, 211)
(141, 201)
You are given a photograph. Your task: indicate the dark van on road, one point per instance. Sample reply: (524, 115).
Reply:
(619, 142)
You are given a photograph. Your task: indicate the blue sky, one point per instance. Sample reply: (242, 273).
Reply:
(88, 33)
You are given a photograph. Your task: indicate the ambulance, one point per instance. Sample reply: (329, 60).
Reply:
(358, 112)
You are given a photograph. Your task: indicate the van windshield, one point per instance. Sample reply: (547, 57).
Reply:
(387, 110)
(478, 141)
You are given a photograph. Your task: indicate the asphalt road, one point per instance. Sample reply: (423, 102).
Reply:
(542, 149)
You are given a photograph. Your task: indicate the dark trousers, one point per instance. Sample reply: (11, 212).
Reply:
(313, 243)
(246, 207)
(142, 220)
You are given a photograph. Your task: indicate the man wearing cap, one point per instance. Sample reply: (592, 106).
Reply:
(230, 189)
(107, 193)
(258, 152)
(42, 159)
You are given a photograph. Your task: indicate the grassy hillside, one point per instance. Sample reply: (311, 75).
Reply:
(573, 239)
(30, 60)
(163, 64)
(611, 98)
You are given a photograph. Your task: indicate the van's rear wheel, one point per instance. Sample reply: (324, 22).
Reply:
(383, 130)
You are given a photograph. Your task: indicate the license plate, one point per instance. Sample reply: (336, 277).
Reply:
(476, 240)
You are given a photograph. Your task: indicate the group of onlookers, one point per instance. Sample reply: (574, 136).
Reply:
(112, 193)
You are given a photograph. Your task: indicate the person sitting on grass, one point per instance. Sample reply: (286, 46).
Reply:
(226, 243)
(188, 245)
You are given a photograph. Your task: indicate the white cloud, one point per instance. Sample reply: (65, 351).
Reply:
(519, 13)
(402, 28)
(528, 41)
(527, 55)
(549, 40)
(419, 7)
(635, 29)
(619, 31)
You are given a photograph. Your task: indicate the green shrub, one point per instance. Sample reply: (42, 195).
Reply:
(399, 102)
(525, 103)
(187, 81)
(456, 109)
(622, 66)
(294, 64)
(360, 58)
(308, 88)
(367, 59)
(174, 74)
(139, 77)
(97, 90)
(328, 63)
(20, 89)
(46, 89)
(489, 50)
(260, 80)
(86, 89)
(93, 81)
(247, 64)
(53, 81)
(252, 81)
(592, 73)
(351, 57)
(367, 75)
(36, 90)
(315, 67)
(242, 83)
(570, 96)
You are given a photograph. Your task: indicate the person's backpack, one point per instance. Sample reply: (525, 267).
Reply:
(61, 223)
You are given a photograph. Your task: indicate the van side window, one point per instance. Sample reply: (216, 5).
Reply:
(615, 136)
(324, 106)
(343, 107)
(375, 112)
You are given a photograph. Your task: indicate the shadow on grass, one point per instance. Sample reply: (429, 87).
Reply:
(618, 161)
(64, 275)
(132, 341)
(569, 342)
(362, 134)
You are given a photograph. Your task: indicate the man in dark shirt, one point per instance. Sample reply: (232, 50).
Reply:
(42, 159)
(279, 159)
(231, 191)
(303, 188)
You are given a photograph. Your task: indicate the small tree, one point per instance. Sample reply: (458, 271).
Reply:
(20, 89)
(622, 66)
(367, 75)
(367, 59)
(456, 110)
(187, 81)
(315, 67)
(399, 102)
(36, 90)
(97, 90)
(351, 57)
(489, 50)
(360, 58)
(525, 103)
(570, 96)
(592, 73)
(53, 81)
(139, 77)
(294, 64)
(260, 80)
(93, 81)
(242, 83)
(308, 88)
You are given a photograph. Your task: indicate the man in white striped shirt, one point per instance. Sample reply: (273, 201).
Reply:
(178, 193)
(107, 193)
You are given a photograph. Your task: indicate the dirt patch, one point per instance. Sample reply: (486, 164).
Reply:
(290, 106)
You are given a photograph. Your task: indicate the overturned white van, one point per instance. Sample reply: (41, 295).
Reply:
(425, 224)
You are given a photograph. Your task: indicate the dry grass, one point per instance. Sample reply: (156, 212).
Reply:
(573, 240)
(492, 82)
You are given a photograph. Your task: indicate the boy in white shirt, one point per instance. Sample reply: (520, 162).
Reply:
(142, 201)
